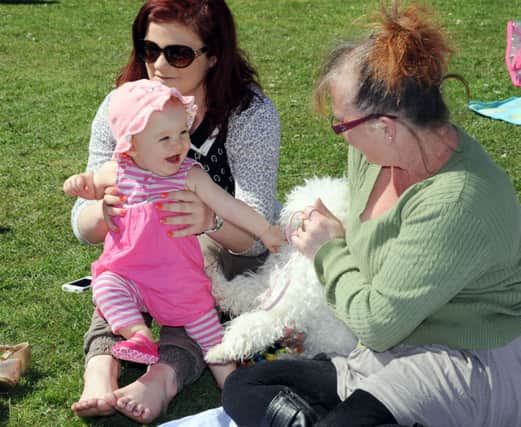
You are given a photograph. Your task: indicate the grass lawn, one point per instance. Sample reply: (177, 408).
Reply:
(57, 61)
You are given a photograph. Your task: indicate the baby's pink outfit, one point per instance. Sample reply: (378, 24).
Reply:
(143, 269)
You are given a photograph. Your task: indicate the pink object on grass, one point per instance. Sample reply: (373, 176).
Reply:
(513, 51)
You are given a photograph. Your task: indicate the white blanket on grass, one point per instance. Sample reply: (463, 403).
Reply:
(211, 418)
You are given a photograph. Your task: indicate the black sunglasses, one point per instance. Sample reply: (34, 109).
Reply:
(177, 55)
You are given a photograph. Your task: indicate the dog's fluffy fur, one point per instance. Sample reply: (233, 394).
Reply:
(284, 292)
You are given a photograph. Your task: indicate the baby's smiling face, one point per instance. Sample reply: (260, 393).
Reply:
(164, 143)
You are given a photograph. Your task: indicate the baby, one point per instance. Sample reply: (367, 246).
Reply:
(144, 267)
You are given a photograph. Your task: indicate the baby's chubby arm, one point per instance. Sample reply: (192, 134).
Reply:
(91, 185)
(234, 210)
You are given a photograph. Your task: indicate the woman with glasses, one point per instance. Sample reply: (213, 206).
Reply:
(426, 271)
(190, 45)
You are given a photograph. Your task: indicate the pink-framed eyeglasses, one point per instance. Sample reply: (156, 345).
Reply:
(345, 126)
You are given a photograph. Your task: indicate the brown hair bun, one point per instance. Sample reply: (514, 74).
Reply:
(408, 44)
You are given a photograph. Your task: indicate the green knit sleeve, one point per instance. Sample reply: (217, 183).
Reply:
(439, 250)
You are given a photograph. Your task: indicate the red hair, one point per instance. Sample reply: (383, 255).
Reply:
(400, 67)
(228, 83)
(408, 44)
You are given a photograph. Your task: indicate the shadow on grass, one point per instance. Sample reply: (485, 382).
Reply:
(5, 406)
(25, 386)
(116, 420)
(28, 1)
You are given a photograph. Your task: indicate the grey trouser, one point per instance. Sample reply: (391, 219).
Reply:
(176, 348)
(438, 386)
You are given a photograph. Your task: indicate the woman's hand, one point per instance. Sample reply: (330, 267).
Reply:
(194, 214)
(317, 226)
(110, 200)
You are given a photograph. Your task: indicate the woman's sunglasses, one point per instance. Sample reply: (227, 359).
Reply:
(177, 55)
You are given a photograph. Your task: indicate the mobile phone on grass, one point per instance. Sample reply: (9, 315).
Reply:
(78, 286)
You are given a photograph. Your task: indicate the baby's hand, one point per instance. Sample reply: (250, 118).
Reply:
(80, 185)
(273, 238)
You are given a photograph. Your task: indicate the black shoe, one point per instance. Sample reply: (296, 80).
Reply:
(400, 425)
(288, 409)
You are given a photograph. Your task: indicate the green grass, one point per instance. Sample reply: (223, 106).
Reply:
(57, 61)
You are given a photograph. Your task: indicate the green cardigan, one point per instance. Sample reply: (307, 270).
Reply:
(442, 266)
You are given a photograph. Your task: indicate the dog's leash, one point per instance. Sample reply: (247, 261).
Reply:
(266, 305)
(279, 297)
(291, 226)
(288, 230)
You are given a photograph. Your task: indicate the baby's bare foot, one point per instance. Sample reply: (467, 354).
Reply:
(148, 396)
(101, 378)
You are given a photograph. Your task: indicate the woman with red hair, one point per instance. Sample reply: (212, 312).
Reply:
(192, 45)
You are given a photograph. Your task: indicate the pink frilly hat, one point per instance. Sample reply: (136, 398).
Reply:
(131, 105)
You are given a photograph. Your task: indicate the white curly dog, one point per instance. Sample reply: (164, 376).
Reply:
(284, 292)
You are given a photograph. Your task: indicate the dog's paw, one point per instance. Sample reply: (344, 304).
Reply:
(217, 354)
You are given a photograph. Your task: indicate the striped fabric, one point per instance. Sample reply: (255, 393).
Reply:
(206, 331)
(118, 300)
(139, 185)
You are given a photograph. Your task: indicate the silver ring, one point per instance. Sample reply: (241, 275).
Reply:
(293, 224)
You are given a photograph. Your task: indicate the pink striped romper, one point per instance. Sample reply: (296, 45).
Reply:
(142, 269)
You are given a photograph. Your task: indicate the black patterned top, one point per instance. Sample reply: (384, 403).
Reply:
(208, 148)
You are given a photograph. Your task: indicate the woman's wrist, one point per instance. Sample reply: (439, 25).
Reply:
(231, 238)
(218, 223)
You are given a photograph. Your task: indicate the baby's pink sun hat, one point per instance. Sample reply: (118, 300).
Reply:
(131, 105)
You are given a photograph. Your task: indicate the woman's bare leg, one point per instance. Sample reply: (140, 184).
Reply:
(221, 372)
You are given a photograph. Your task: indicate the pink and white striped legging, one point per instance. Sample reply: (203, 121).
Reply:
(119, 302)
